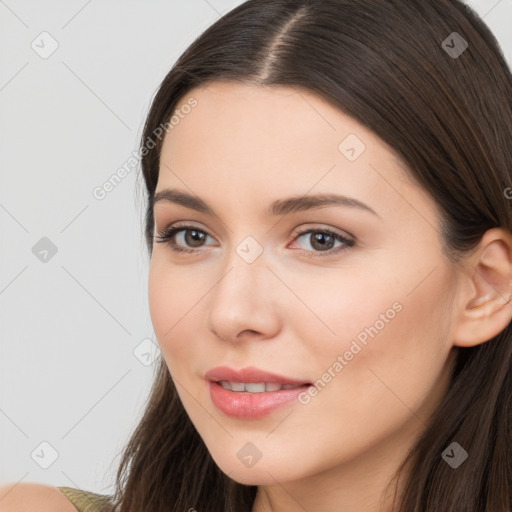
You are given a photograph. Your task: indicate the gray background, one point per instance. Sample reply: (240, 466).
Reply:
(75, 329)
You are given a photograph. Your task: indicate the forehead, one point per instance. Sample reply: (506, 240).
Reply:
(282, 115)
(265, 124)
(256, 142)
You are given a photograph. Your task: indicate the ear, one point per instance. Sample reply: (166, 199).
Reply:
(486, 291)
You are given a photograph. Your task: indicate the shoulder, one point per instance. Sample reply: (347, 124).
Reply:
(29, 497)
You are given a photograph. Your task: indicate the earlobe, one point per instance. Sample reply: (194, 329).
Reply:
(486, 305)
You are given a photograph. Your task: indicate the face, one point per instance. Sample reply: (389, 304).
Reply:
(352, 296)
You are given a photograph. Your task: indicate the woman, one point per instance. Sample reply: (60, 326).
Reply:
(329, 225)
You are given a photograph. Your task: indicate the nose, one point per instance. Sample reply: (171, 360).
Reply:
(244, 302)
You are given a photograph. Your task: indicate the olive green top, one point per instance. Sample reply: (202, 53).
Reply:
(86, 501)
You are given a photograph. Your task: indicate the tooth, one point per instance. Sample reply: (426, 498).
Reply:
(237, 386)
(225, 384)
(254, 387)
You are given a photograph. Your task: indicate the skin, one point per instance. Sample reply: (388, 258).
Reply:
(294, 310)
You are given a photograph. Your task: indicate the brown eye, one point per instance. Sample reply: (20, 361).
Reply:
(190, 238)
(194, 237)
(323, 241)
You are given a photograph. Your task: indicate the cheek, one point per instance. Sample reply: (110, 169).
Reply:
(174, 308)
(338, 307)
(161, 296)
(394, 345)
(387, 323)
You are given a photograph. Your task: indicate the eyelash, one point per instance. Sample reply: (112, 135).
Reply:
(168, 234)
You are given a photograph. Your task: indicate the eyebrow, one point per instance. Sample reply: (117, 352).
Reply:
(278, 207)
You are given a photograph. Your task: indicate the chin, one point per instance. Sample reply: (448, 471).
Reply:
(247, 477)
(265, 471)
(252, 476)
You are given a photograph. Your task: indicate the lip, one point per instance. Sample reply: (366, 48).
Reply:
(249, 374)
(250, 406)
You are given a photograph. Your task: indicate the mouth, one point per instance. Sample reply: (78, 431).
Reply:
(251, 393)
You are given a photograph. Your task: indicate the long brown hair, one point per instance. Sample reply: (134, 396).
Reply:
(387, 64)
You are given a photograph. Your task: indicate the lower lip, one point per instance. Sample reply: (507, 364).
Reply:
(251, 406)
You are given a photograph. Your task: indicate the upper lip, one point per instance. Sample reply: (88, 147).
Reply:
(249, 374)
